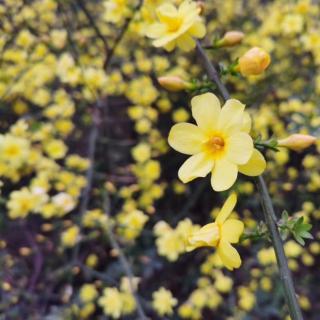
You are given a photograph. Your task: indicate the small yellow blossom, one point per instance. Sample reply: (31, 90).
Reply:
(70, 236)
(220, 144)
(177, 26)
(221, 234)
(88, 293)
(163, 302)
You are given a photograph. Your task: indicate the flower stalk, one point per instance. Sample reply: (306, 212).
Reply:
(268, 210)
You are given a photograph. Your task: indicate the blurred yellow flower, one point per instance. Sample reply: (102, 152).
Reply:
(177, 26)
(88, 292)
(163, 302)
(219, 144)
(70, 236)
(221, 234)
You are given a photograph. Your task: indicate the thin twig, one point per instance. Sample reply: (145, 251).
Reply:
(93, 24)
(269, 214)
(123, 260)
(125, 27)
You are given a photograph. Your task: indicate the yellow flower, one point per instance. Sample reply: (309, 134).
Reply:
(56, 149)
(221, 234)
(177, 26)
(88, 292)
(163, 302)
(70, 236)
(219, 144)
(21, 203)
(111, 302)
(116, 11)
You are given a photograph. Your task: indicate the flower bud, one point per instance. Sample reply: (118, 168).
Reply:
(254, 62)
(200, 7)
(174, 83)
(231, 38)
(297, 142)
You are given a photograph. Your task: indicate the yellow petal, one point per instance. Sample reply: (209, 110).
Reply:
(198, 165)
(227, 208)
(170, 45)
(239, 148)
(246, 123)
(156, 30)
(231, 116)
(167, 13)
(224, 175)
(165, 40)
(186, 43)
(198, 30)
(231, 230)
(186, 138)
(255, 166)
(208, 235)
(228, 255)
(205, 110)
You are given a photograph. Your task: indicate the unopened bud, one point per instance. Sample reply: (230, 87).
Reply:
(230, 38)
(200, 7)
(297, 142)
(254, 62)
(174, 83)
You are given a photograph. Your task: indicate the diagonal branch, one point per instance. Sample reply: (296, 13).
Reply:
(125, 27)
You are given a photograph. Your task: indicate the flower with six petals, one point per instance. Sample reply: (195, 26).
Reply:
(177, 26)
(220, 143)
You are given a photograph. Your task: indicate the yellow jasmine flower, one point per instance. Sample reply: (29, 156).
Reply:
(177, 26)
(221, 234)
(88, 292)
(70, 236)
(163, 301)
(219, 143)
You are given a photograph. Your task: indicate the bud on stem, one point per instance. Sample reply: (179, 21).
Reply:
(174, 83)
(230, 39)
(297, 142)
(253, 62)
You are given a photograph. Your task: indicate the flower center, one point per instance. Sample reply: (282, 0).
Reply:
(174, 25)
(215, 144)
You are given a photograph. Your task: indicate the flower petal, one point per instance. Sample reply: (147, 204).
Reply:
(205, 110)
(255, 166)
(239, 148)
(227, 208)
(208, 235)
(198, 30)
(228, 255)
(186, 138)
(231, 230)
(224, 175)
(231, 116)
(198, 165)
(155, 30)
(246, 122)
(185, 42)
